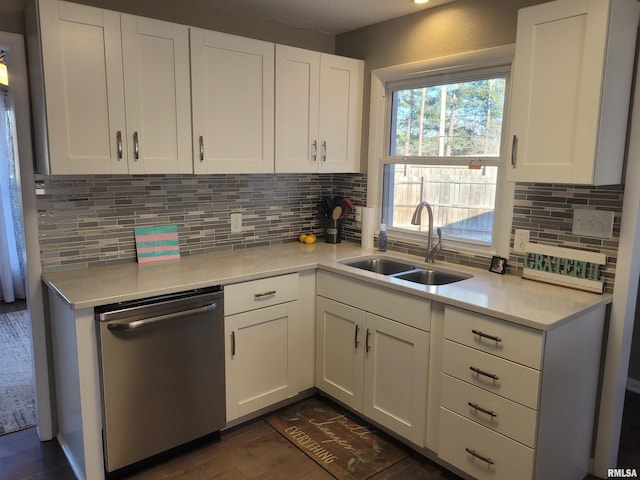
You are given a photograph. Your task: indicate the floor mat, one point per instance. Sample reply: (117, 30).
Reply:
(341, 443)
(17, 392)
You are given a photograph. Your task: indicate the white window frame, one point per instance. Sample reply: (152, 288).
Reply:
(379, 117)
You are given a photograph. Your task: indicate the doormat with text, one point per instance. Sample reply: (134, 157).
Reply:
(341, 443)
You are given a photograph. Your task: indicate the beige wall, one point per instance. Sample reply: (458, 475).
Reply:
(190, 13)
(457, 27)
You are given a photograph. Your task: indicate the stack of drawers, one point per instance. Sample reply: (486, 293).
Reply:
(490, 395)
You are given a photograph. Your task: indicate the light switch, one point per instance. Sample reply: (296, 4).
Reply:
(236, 222)
(520, 240)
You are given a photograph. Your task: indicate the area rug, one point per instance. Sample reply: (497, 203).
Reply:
(17, 393)
(341, 443)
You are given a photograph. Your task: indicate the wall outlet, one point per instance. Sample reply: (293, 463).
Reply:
(357, 212)
(520, 240)
(592, 223)
(236, 222)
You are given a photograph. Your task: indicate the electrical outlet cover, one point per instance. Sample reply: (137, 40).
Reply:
(592, 223)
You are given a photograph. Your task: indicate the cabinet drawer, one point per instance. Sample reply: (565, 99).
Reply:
(401, 307)
(497, 413)
(494, 457)
(507, 340)
(502, 377)
(242, 297)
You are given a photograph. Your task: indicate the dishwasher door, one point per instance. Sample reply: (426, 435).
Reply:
(162, 374)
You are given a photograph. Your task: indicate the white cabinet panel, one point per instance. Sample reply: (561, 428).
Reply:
(571, 88)
(259, 358)
(85, 113)
(395, 377)
(318, 111)
(111, 79)
(340, 351)
(232, 81)
(158, 103)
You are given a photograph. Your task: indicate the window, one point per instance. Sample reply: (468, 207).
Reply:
(444, 145)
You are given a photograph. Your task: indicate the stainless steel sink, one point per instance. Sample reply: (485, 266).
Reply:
(384, 266)
(431, 277)
(406, 271)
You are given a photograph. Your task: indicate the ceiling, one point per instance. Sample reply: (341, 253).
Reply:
(327, 16)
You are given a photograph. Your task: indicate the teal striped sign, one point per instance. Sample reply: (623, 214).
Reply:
(157, 243)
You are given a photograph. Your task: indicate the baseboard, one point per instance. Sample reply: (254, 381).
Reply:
(633, 385)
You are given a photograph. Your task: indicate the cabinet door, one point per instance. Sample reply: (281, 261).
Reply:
(82, 65)
(340, 113)
(297, 97)
(259, 359)
(158, 102)
(232, 80)
(397, 358)
(571, 89)
(340, 351)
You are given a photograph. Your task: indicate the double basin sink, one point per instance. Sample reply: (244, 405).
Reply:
(406, 271)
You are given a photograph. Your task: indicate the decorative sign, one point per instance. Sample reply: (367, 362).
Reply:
(157, 243)
(565, 266)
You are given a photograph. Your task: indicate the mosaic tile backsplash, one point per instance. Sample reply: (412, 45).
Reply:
(89, 220)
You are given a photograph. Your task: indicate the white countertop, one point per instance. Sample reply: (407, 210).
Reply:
(509, 297)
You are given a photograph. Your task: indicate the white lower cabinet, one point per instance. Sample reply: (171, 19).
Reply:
(376, 365)
(266, 338)
(517, 402)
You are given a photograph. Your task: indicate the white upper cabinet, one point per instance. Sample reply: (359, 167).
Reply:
(571, 88)
(232, 81)
(318, 111)
(157, 93)
(92, 61)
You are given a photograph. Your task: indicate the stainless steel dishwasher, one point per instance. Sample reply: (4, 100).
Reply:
(162, 375)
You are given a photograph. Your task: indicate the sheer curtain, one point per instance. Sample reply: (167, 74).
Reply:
(11, 233)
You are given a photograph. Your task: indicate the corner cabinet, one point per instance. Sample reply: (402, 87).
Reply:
(232, 82)
(364, 359)
(117, 91)
(571, 89)
(318, 111)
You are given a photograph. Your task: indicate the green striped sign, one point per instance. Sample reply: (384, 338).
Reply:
(157, 243)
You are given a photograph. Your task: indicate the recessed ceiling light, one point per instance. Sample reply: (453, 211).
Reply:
(420, 1)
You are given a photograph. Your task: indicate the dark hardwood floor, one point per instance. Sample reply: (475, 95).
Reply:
(252, 451)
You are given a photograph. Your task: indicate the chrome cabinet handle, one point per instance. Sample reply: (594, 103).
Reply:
(514, 151)
(324, 151)
(485, 335)
(151, 321)
(355, 340)
(479, 457)
(136, 146)
(119, 143)
(367, 346)
(233, 343)
(258, 296)
(477, 407)
(482, 372)
(314, 150)
(201, 141)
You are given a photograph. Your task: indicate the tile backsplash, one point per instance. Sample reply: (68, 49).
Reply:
(89, 220)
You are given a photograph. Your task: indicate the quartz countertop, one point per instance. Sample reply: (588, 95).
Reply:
(508, 297)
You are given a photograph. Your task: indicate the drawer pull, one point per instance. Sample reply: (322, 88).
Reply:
(479, 457)
(478, 408)
(259, 296)
(482, 372)
(485, 335)
(355, 340)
